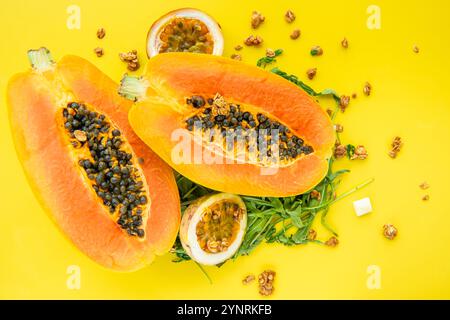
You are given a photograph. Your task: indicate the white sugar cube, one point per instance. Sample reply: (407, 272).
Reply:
(362, 206)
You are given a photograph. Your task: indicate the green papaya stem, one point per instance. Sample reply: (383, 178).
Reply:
(41, 59)
(133, 88)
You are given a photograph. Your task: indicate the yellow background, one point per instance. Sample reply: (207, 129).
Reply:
(411, 98)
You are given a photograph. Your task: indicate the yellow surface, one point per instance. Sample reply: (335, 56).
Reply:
(411, 98)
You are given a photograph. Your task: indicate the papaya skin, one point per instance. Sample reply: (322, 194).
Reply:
(56, 178)
(173, 77)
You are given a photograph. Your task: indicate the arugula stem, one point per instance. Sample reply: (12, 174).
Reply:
(336, 110)
(204, 272)
(353, 190)
(260, 232)
(323, 215)
(187, 194)
(188, 202)
(345, 194)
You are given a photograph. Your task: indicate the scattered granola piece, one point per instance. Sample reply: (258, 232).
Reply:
(238, 47)
(101, 33)
(289, 16)
(316, 51)
(360, 153)
(253, 41)
(332, 242)
(396, 146)
(424, 185)
(248, 279)
(295, 34)
(354, 95)
(330, 112)
(312, 235)
(344, 102)
(311, 73)
(339, 128)
(339, 151)
(99, 51)
(416, 49)
(426, 197)
(236, 56)
(133, 66)
(257, 19)
(270, 53)
(315, 194)
(131, 59)
(344, 43)
(389, 231)
(367, 89)
(265, 281)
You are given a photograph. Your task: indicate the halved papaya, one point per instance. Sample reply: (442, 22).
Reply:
(186, 102)
(114, 198)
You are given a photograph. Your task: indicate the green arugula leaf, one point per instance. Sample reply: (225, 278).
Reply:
(264, 61)
(350, 150)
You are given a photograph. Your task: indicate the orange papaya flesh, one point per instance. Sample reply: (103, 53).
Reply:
(106, 190)
(180, 90)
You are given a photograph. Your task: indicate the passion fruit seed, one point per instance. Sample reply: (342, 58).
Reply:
(114, 178)
(226, 116)
(219, 226)
(186, 35)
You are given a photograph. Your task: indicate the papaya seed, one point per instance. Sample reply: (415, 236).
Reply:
(111, 169)
(225, 116)
(198, 101)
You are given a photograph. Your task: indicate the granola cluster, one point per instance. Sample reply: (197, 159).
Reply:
(131, 59)
(253, 40)
(395, 147)
(265, 281)
(257, 19)
(389, 231)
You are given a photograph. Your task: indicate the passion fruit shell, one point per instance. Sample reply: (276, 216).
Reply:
(205, 224)
(153, 36)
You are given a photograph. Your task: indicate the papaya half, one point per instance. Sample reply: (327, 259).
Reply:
(230, 126)
(114, 198)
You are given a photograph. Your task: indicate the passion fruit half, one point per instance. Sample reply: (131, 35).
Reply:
(185, 30)
(213, 227)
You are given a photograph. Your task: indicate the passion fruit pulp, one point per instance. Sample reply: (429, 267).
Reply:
(213, 227)
(185, 30)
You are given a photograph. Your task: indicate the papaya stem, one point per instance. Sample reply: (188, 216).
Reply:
(40, 59)
(133, 88)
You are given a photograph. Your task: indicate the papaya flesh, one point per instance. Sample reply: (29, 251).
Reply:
(185, 101)
(114, 198)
